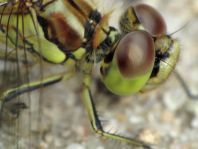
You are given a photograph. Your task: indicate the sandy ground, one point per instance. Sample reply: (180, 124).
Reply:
(165, 117)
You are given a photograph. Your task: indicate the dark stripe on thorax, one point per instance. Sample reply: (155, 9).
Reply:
(80, 9)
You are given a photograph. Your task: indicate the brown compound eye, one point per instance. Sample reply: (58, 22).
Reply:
(151, 19)
(135, 54)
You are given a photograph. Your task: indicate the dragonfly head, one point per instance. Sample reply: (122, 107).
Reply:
(130, 65)
(144, 54)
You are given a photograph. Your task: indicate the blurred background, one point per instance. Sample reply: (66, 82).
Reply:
(165, 117)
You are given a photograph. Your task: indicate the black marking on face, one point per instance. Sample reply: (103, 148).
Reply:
(160, 57)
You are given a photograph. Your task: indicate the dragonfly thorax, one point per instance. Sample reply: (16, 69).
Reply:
(78, 28)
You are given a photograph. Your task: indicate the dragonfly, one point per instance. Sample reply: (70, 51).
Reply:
(74, 34)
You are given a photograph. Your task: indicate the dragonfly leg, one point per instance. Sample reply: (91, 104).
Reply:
(185, 86)
(97, 126)
(10, 94)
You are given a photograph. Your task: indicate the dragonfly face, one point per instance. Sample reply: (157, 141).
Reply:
(137, 58)
(158, 58)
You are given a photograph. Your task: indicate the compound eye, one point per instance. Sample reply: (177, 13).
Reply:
(135, 54)
(151, 19)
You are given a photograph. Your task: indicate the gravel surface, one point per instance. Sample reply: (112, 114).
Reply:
(165, 117)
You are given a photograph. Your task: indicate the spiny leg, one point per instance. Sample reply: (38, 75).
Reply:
(31, 86)
(185, 86)
(97, 126)
(10, 94)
